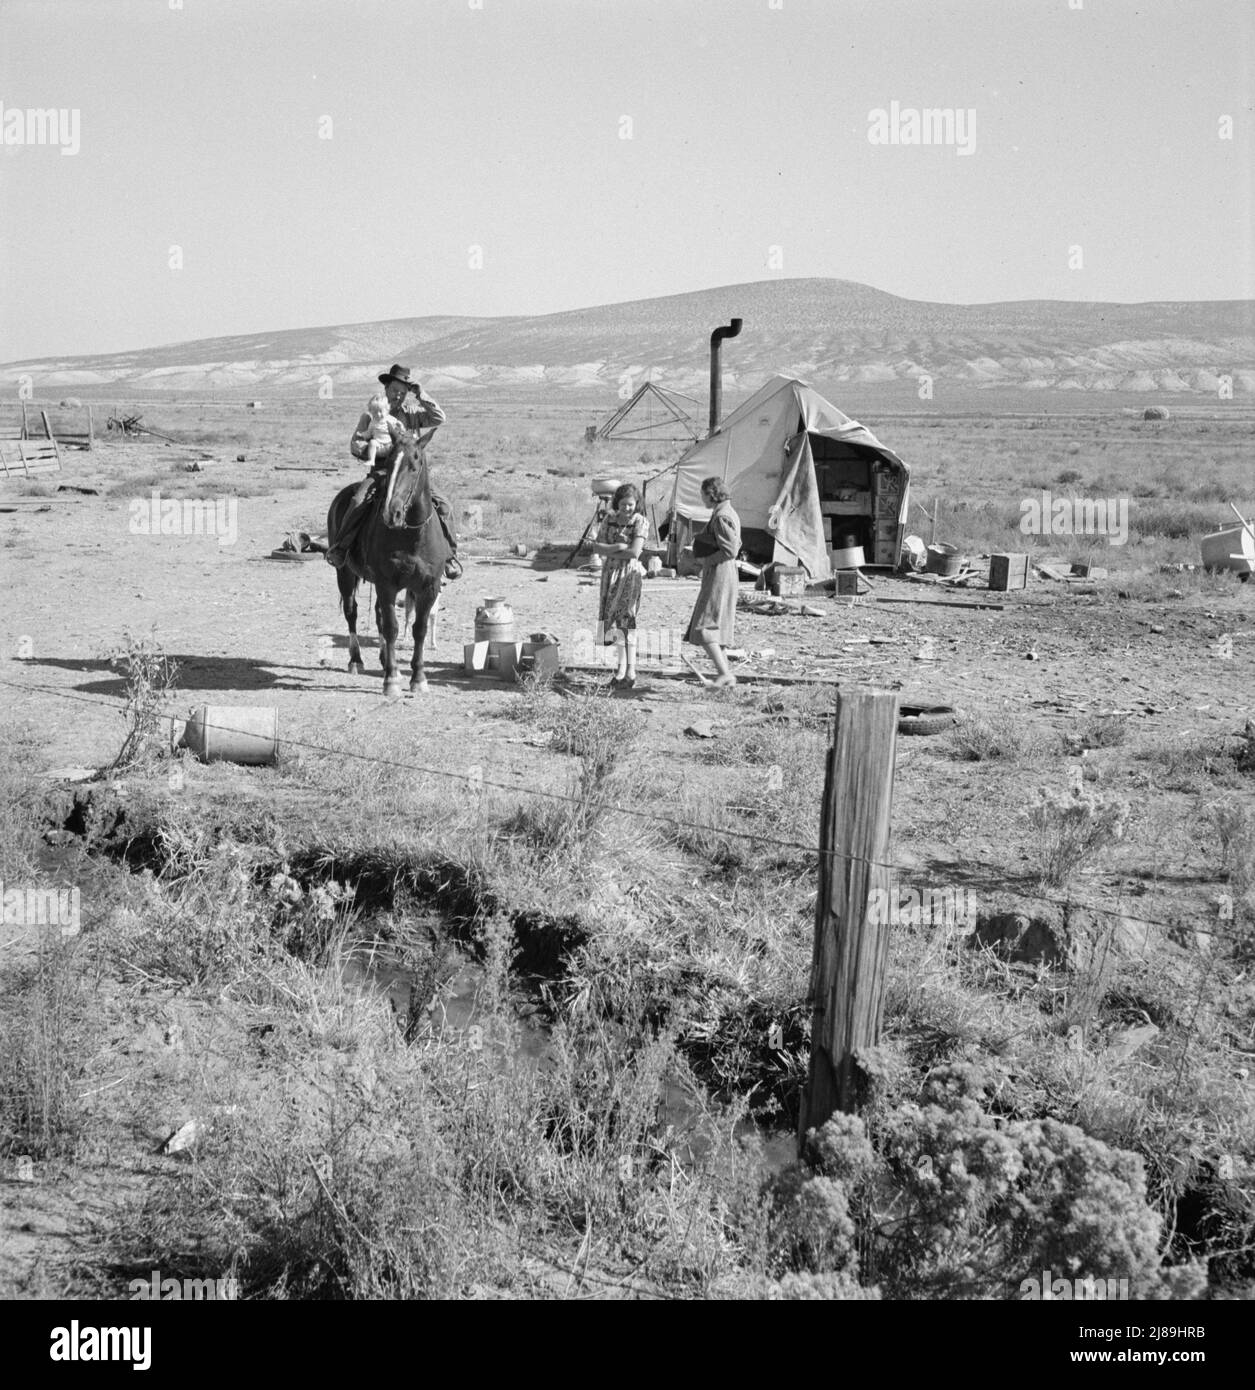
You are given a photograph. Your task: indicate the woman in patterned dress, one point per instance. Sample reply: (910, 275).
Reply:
(620, 541)
(714, 613)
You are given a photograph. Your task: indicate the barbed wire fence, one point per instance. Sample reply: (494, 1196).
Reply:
(1214, 929)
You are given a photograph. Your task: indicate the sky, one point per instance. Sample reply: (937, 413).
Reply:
(242, 166)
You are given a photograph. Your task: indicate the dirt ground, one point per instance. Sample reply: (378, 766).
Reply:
(248, 629)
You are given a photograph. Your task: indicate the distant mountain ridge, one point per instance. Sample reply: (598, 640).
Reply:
(821, 329)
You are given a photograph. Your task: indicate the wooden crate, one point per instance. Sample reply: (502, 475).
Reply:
(788, 581)
(1008, 571)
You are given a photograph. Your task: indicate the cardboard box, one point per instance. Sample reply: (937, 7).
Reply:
(1008, 571)
(491, 658)
(519, 659)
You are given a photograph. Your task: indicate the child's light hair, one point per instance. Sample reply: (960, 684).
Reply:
(378, 404)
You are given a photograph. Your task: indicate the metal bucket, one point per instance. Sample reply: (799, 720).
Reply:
(914, 553)
(494, 621)
(944, 560)
(233, 733)
(1230, 549)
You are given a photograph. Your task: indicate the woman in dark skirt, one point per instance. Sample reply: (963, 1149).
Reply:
(714, 614)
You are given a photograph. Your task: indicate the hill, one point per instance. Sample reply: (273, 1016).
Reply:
(823, 329)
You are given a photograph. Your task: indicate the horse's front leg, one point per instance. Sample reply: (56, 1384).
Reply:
(389, 631)
(346, 580)
(424, 604)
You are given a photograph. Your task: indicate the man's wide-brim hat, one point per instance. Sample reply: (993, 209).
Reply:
(398, 373)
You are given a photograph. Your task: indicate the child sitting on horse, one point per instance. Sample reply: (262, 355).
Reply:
(382, 433)
(384, 429)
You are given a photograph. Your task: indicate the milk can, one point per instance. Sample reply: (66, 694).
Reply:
(494, 621)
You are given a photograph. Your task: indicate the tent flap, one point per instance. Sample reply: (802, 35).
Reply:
(795, 518)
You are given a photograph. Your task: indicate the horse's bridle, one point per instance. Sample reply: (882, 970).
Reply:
(422, 454)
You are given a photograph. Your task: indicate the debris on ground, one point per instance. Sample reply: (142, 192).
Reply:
(182, 1138)
(300, 545)
(132, 426)
(777, 607)
(126, 424)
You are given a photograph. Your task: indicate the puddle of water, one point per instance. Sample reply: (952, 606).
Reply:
(691, 1130)
(779, 1146)
(456, 1009)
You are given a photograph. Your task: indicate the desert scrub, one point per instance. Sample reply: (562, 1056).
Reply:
(150, 676)
(592, 726)
(1104, 731)
(1000, 737)
(941, 1200)
(1180, 764)
(20, 796)
(332, 1181)
(202, 919)
(1229, 829)
(597, 731)
(1173, 522)
(45, 1030)
(811, 1230)
(981, 1206)
(787, 765)
(311, 923)
(1072, 829)
(698, 821)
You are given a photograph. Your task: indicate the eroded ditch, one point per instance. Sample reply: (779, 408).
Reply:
(440, 986)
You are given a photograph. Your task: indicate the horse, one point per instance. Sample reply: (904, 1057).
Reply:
(401, 548)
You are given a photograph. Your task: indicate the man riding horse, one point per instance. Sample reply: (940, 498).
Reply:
(423, 413)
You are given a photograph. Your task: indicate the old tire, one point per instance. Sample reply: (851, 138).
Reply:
(925, 719)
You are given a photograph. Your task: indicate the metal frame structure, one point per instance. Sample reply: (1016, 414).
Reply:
(644, 398)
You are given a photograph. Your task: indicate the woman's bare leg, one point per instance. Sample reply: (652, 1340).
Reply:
(715, 652)
(630, 643)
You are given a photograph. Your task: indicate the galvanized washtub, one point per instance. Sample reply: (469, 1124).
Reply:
(1230, 549)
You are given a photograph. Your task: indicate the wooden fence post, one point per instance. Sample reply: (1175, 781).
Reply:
(25, 435)
(851, 920)
(91, 431)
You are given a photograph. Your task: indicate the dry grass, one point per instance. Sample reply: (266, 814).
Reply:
(1000, 738)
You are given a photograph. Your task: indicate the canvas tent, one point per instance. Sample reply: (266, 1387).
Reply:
(803, 478)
